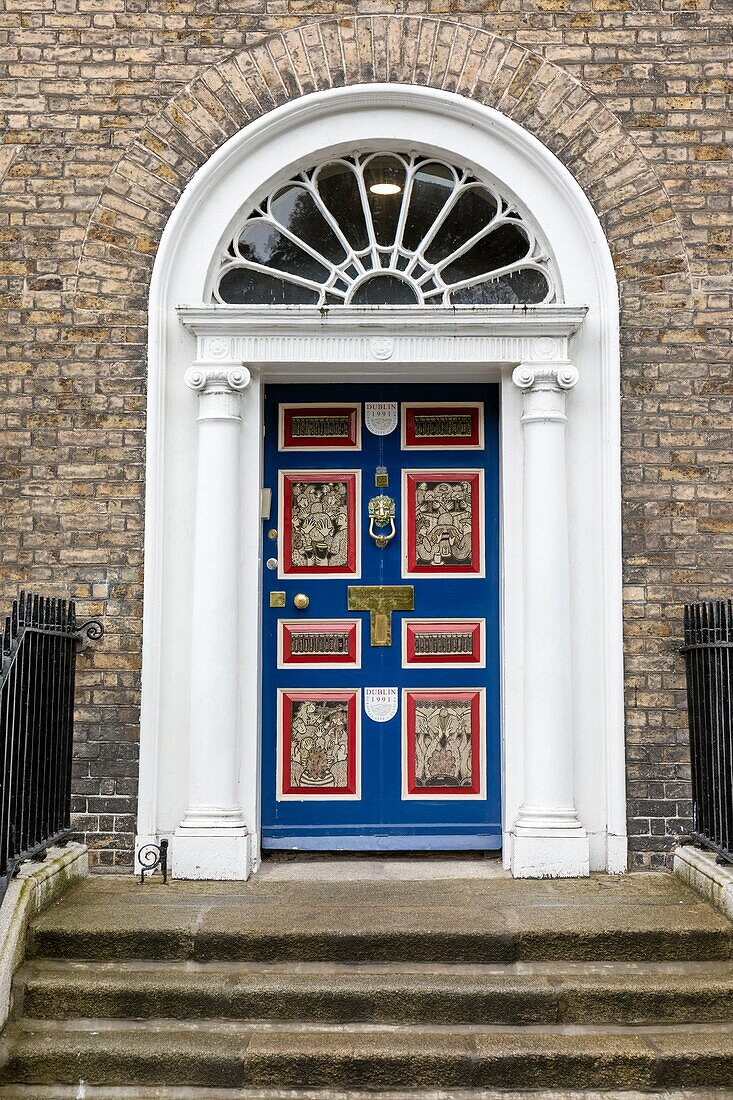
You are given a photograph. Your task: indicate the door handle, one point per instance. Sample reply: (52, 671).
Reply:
(301, 601)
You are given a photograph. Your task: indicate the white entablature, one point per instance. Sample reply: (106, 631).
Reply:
(472, 335)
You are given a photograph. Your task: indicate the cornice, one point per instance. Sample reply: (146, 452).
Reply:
(413, 334)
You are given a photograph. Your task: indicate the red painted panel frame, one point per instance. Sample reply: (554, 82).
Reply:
(474, 696)
(288, 442)
(411, 441)
(286, 700)
(442, 626)
(288, 659)
(352, 480)
(413, 567)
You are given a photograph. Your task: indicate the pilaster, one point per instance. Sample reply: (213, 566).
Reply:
(549, 840)
(211, 841)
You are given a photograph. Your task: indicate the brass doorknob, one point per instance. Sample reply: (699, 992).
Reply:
(301, 601)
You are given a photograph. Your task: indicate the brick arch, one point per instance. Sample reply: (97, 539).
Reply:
(135, 204)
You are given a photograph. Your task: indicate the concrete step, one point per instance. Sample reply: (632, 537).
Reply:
(514, 993)
(224, 1054)
(632, 917)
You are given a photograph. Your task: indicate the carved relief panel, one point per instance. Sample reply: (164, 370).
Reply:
(319, 523)
(442, 522)
(443, 743)
(319, 747)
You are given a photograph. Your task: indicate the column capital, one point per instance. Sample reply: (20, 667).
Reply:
(208, 379)
(218, 389)
(530, 377)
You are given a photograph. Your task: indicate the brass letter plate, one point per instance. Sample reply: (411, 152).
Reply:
(380, 601)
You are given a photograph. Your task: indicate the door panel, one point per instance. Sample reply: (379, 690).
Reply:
(416, 764)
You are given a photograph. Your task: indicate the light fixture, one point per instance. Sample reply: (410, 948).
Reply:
(385, 189)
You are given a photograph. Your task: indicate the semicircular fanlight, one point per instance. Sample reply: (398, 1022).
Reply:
(384, 228)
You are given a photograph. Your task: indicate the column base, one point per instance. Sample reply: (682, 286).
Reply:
(212, 854)
(548, 856)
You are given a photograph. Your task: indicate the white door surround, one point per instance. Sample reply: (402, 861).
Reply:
(562, 706)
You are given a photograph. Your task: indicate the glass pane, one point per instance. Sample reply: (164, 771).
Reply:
(473, 210)
(527, 286)
(432, 186)
(339, 190)
(262, 244)
(241, 287)
(295, 209)
(384, 290)
(384, 178)
(506, 245)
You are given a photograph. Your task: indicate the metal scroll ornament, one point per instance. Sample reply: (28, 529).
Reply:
(91, 630)
(152, 856)
(381, 519)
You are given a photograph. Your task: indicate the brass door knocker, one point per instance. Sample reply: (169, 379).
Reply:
(381, 515)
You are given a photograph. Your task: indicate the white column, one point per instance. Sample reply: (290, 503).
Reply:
(211, 841)
(549, 840)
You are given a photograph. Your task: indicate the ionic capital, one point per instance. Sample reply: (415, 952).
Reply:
(203, 378)
(530, 377)
(218, 389)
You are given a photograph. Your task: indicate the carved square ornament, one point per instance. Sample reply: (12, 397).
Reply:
(443, 523)
(319, 745)
(443, 743)
(319, 521)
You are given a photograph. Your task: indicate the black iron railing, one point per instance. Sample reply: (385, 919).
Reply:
(39, 644)
(708, 651)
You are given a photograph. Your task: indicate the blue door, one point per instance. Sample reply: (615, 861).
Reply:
(380, 719)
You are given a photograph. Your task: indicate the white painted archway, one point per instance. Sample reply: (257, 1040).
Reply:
(562, 710)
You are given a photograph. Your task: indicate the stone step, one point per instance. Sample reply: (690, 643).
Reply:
(634, 917)
(224, 1054)
(521, 993)
(138, 1092)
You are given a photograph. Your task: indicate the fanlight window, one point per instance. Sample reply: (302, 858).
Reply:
(384, 229)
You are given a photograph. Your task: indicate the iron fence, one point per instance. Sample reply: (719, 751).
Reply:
(708, 651)
(38, 647)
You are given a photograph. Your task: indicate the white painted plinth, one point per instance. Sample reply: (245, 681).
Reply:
(550, 856)
(221, 854)
(617, 854)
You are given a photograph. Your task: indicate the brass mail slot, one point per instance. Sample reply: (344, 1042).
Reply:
(380, 600)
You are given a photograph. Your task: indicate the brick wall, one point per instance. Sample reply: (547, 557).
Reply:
(109, 106)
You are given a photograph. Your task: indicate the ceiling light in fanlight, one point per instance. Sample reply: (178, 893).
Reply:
(385, 189)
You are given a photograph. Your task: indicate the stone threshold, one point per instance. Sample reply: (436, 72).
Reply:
(377, 868)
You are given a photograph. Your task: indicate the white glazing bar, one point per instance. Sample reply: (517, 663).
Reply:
(417, 271)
